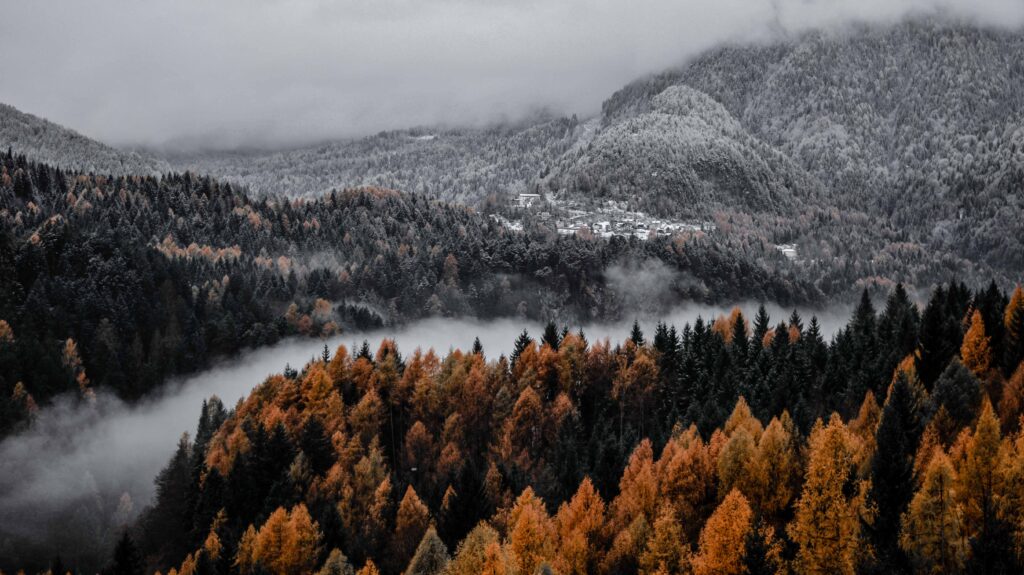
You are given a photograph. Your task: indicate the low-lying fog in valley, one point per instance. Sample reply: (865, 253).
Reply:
(83, 471)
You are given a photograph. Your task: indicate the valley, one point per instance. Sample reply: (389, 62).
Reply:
(769, 292)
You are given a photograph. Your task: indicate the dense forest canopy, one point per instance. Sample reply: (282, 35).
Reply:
(729, 446)
(121, 281)
(888, 161)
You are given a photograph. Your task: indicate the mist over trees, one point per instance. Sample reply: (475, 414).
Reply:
(120, 281)
(725, 446)
(892, 158)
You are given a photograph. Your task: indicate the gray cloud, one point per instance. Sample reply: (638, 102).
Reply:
(273, 72)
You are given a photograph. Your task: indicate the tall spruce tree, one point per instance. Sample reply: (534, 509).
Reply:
(892, 471)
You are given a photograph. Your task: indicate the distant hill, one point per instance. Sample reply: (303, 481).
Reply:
(683, 155)
(882, 154)
(920, 125)
(465, 165)
(47, 142)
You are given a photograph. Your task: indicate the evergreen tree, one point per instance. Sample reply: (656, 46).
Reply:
(127, 559)
(522, 342)
(892, 470)
(636, 335)
(171, 512)
(959, 392)
(551, 336)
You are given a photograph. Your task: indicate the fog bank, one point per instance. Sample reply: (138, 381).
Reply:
(234, 73)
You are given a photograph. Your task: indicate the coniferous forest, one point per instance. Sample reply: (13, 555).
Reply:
(811, 218)
(736, 445)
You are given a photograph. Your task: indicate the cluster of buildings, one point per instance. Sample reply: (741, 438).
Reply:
(609, 219)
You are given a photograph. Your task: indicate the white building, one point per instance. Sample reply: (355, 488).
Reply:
(527, 200)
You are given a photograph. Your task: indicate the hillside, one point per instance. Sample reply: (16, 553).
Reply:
(685, 156)
(880, 155)
(920, 126)
(140, 277)
(713, 448)
(44, 141)
(466, 165)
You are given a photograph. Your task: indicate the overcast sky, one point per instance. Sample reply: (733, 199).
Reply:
(226, 73)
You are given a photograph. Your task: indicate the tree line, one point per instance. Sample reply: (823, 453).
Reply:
(117, 282)
(728, 446)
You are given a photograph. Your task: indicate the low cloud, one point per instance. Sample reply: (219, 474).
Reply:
(233, 73)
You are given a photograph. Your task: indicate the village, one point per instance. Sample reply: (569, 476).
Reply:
(608, 219)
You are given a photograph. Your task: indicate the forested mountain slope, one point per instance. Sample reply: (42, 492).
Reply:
(684, 156)
(58, 146)
(920, 125)
(721, 447)
(466, 165)
(119, 281)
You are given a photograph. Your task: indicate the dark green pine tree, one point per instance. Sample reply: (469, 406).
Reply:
(522, 342)
(313, 441)
(959, 392)
(740, 342)
(897, 330)
(551, 336)
(364, 352)
(666, 343)
(991, 302)
(478, 348)
(127, 559)
(762, 323)
(941, 332)
(211, 417)
(892, 471)
(864, 340)
(783, 390)
(636, 335)
(167, 525)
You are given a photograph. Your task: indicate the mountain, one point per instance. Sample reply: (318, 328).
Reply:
(920, 126)
(147, 277)
(684, 155)
(878, 155)
(47, 142)
(465, 165)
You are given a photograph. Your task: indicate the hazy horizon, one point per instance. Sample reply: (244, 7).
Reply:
(291, 74)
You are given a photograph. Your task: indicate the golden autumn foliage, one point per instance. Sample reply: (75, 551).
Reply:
(471, 556)
(369, 569)
(720, 551)
(1011, 401)
(830, 511)
(411, 523)
(976, 351)
(638, 489)
(580, 528)
(531, 535)
(287, 543)
(405, 435)
(979, 485)
(932, 531)
(666, 550)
